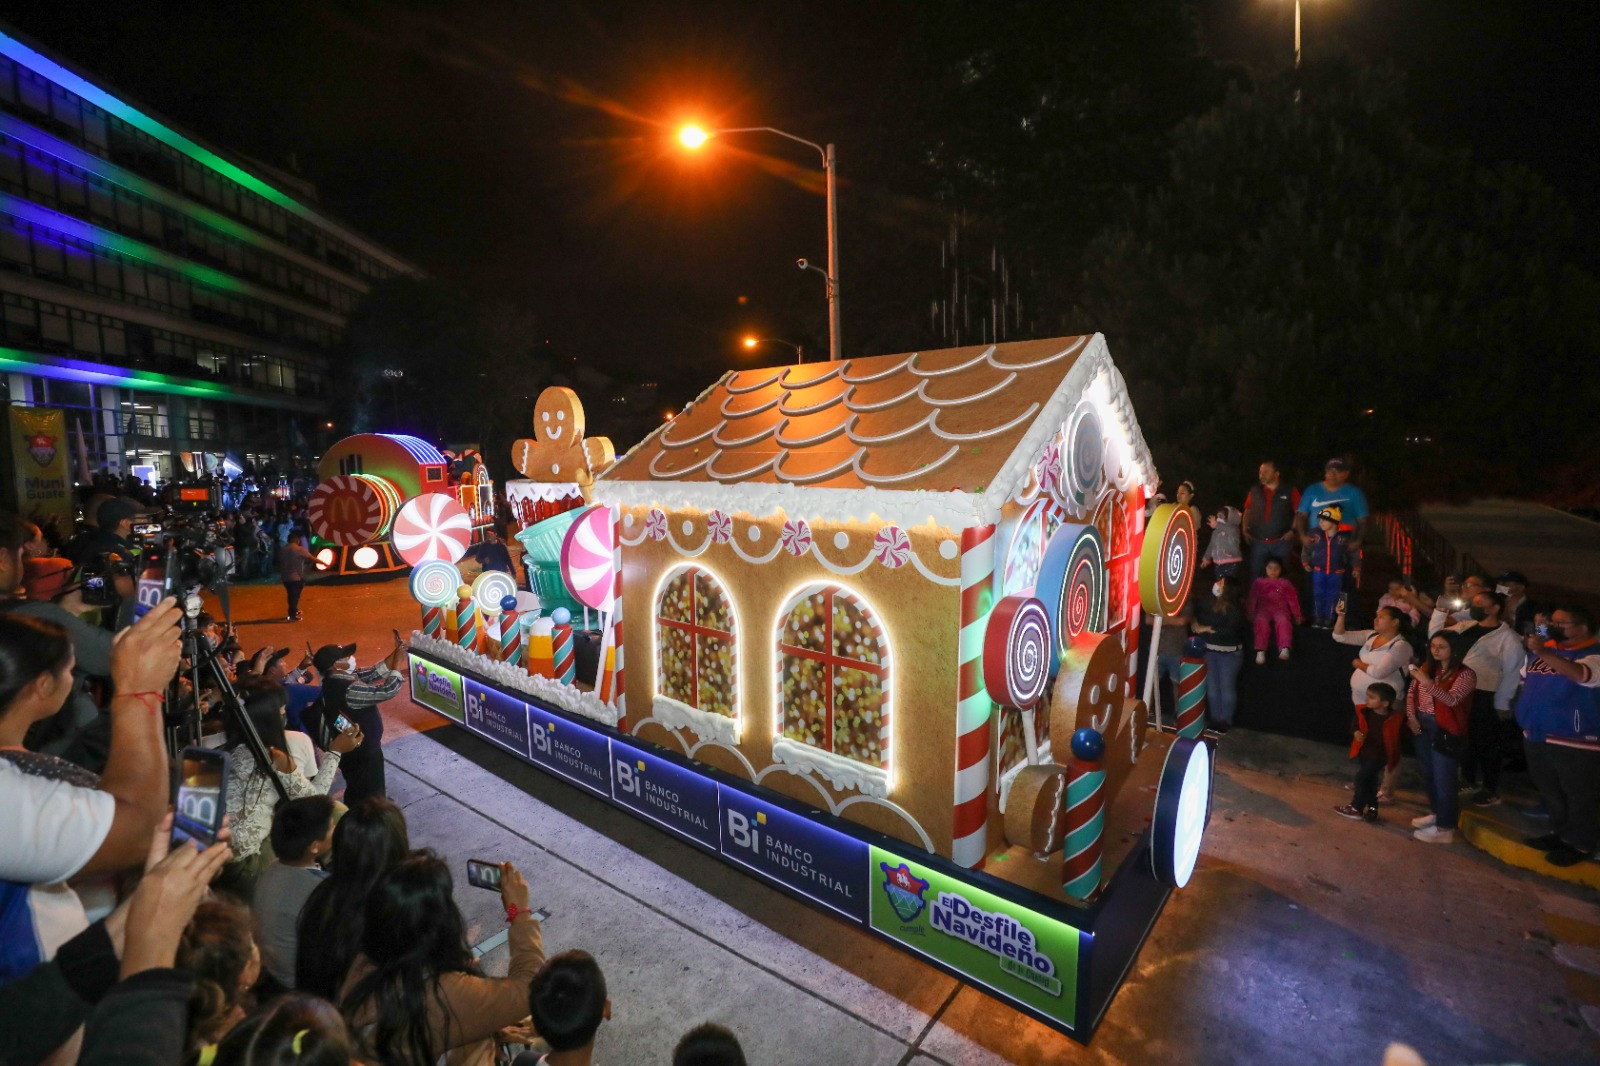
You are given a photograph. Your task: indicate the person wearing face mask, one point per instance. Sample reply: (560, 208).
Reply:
(1559, 712)
(1220, 620)
(1495, 653)
(356, 694)
(1513, 585)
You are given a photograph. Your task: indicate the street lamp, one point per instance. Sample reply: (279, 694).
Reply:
(693, 137)
(799, 352)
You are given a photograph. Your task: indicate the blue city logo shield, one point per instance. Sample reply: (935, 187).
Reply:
(904, 890)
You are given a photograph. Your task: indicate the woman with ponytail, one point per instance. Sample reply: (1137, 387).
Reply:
(292, 1030)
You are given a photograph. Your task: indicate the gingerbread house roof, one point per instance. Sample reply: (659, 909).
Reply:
(945, 436)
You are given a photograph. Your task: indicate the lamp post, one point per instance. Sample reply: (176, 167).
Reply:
(693, 137)
(799, 352)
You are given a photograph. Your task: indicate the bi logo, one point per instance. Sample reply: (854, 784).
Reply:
(475, 703)
(742, 833)
(630, 780)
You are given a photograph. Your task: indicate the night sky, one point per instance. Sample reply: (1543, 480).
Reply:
(523, 148)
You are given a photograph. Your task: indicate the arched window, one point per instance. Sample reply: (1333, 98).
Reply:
(834, 687)
(696, 648)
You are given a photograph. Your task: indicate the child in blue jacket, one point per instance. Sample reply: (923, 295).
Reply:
(1327, 554)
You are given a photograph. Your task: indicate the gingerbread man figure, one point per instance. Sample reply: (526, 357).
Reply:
(561, 453)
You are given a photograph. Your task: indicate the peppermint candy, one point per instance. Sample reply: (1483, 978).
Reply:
(796, 537)
(892, 547)
(720, 526)
(655, 527)
(1050, 470)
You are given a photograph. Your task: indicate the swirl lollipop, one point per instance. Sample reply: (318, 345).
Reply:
(490, 587)
(1166, 560)
(1016, 651)
(434, 583)
(586, 564)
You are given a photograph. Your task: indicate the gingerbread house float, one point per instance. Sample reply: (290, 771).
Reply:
(893, 587)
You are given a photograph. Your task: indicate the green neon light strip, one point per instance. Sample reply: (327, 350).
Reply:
(21, 53)
(41, 141)
(60, 368)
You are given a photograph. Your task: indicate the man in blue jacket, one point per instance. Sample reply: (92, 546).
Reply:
(1559, 713)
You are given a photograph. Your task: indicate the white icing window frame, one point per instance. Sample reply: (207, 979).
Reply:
(841, 770)
(687, 710)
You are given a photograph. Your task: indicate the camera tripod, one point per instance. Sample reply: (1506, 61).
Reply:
(184, 727)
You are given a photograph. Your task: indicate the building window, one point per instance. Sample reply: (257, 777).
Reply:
(834, 682)
(696, 648)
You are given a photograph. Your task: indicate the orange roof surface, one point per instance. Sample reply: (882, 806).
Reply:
(942, 421)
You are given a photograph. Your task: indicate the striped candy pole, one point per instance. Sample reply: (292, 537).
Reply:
(490, 643)
(432, 620)
(974, 709)
(466, 619)
(511, 636)
(1086, 816)
(541, 660)
(566, 663)
(616, 664)
(1191, 716)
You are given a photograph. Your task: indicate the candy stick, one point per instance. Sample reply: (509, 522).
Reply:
(510, 631)
(541, 652)
(432, 619)
(1191, 716)
(566, 663)
(466, 620)
(1086, 816)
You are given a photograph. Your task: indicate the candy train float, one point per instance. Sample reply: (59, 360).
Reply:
(366, 480)
(883, 616)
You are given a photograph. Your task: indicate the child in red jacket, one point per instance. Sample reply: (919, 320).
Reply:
(1272, 603)
(1375, 747)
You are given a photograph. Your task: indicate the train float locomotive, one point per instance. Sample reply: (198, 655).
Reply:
(366, 481)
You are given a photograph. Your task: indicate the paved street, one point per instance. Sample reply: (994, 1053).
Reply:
(1556, 550)
(1303, 938)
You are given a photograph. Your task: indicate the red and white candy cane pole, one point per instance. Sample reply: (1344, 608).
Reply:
(621, 689)
(510, 632)
(974, 708)
(432, 620)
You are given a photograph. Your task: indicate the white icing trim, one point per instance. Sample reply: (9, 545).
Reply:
(691, 468)
(697, 438)
(805, 442)
(817, 475)
(957, 401)
(820, 405)
(721, 441)
(986, 355)
(889, 479)
(982, 434)
(837, 770)
(713, 472)
(674, 714)
(906, 508)
(521, 489)
(669, 730)
(880, 375)
(1069, 350)
(749, 767)
(922, 834)
(567, 697)
(732, 377)
(838, 368)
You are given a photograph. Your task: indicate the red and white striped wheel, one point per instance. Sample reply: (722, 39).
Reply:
(432, 526)
(346, 511)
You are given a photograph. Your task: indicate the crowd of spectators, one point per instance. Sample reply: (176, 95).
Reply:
(313, 930)
(1482, 679)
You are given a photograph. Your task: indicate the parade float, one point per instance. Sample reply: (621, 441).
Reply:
(365, 482)
(869, 630)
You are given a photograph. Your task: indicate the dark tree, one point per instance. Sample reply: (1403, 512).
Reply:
(1311, 279)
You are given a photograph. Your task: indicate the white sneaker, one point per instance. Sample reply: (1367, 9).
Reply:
(1425, 822)
(1283, 653)
(1434, 835)
(1261, 658)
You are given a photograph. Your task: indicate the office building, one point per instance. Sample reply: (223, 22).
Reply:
(179, 302)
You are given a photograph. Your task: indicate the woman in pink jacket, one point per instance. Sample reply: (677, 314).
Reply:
(1273, 604)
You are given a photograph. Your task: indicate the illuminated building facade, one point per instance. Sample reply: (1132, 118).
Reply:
(178, 304)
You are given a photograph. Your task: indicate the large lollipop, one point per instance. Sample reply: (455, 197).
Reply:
(434, 583)
(586, 559)
(432, 526)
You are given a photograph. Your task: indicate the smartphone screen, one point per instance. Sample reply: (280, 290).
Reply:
(342, 724)
(202, 797)
(482, 874)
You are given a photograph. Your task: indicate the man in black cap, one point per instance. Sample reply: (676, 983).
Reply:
(356, 694)
(1513, 585)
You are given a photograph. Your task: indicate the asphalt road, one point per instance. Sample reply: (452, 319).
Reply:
(1302, 938)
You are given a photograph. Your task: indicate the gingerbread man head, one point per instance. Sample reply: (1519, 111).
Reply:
(558, 417)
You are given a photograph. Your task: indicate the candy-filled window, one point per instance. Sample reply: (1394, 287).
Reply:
(696, 647)
(834, 681)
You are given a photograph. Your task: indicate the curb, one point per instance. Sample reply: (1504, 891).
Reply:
(1486, 835)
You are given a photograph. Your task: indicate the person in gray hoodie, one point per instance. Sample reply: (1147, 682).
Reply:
(1225, 551)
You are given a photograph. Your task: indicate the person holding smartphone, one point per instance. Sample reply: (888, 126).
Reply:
(356, 693)
(415, 991)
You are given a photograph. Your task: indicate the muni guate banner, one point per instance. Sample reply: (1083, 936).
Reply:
(36, 439)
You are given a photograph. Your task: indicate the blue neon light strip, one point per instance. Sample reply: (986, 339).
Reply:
(419, 449)
(61, 368)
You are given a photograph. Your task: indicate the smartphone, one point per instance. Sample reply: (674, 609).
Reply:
(1542, 632)
(341, 724)
(202, 797)
(483, 874)
(1344, 601)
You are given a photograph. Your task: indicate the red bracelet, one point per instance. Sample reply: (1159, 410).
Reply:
(151, 700)
(513, 912)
